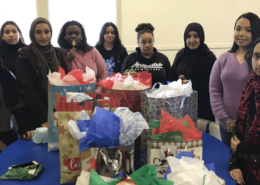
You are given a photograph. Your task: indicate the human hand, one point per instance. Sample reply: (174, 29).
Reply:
(237, 175)
(28, 135)
(72, 54)
(46, 124)
(234, 142)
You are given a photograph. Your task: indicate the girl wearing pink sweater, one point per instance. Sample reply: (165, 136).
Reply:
(80, 53)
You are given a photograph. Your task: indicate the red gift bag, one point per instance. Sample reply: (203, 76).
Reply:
(128, 98)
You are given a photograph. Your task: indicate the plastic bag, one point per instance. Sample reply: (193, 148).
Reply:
(169, 123)
(173, 89)
(131, 125)
(146, 175)
(103, 130)
(40, 135)
(77, 97)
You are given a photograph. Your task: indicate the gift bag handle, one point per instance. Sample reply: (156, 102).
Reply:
(95, 104)
(181, 106)
(110, 164)
(154, 85)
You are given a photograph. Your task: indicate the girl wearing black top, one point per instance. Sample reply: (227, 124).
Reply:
(111, 48)
(195, 62)
(146, 57)
(11, 40)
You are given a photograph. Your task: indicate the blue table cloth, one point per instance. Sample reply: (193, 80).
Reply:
(214, 151)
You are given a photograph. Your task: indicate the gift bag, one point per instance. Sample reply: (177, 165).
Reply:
(157, 151)
(109, 162)
(55, 92)
(128, 98)
(178, 106)
(69, 147)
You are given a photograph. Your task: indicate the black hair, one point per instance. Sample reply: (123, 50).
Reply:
(249, 60)
(117, 41)
(255, 30)
(144, 28)
(83, 45)
(18, 29)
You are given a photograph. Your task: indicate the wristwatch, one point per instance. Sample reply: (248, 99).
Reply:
(230, 125)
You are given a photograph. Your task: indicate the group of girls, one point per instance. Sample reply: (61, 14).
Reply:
(219, 82)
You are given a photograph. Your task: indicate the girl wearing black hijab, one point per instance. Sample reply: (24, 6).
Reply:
(32, 67)
(195, 62)
(11, 40)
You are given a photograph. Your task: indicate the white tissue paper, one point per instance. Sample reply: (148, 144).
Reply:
(89, 74)
(77, 97)
(173, 89)
(191, 171)
(55, 78)
(83, 179)
(127, 84)
(131, 125)
(73, 127)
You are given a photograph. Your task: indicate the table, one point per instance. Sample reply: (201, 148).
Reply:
(214, 151)
(23, 151)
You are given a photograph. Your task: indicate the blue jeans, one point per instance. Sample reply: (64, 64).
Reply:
(225, 136)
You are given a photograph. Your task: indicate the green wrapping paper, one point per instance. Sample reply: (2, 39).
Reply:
(166, 136)
(22, 173)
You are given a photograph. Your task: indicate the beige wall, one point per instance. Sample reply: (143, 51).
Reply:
(170, 17)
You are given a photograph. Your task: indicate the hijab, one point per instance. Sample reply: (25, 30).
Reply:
(203, 49)
(45, 58)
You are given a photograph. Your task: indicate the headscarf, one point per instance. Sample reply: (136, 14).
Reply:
(45, 58)
(203, 48)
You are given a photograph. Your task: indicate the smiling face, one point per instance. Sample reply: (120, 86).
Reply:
(193, 40)
(73, 32)
(242, 33)
(10, 35)
(146, 42)
(109, 34)
(42, 34)
(256, 59)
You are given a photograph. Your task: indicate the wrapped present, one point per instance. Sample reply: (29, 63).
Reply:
(128, 98)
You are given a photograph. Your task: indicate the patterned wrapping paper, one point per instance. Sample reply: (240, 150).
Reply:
(154, 150)
(130, 99)
(70, 165)
(151, 110)
(54, 94)
(151, 107)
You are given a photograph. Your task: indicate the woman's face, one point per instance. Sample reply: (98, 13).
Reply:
(10, 35)
(42, 34)
(242, 33)
(256, 59)
(193, 40)
(146, 42)
(73, 32)
(109, 34)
